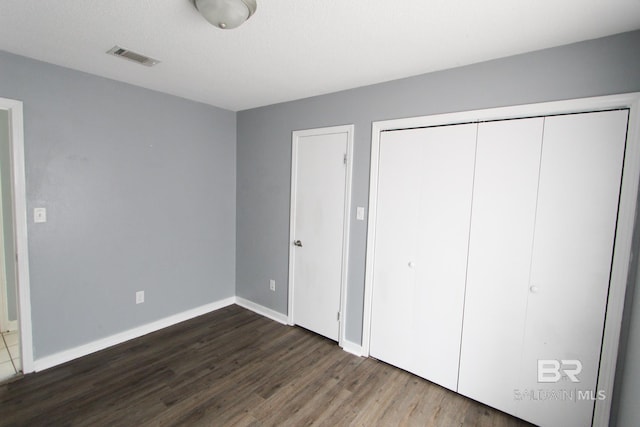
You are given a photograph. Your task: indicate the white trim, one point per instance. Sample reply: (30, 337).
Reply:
(262, 310)
(346, 236)
(512, 112)
(621, 262)
(351, 347)
(624, 231)
(85, 349)
(376, 128)
(292, 226)
(346, 345)
(4, 304)
(19, 197)
(349, 130)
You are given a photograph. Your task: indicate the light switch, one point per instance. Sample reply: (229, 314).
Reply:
(40, 215)
(360, 213)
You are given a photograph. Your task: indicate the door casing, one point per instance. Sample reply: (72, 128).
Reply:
(19, 199)
(5, 323)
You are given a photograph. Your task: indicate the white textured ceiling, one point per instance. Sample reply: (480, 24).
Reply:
(293, 49)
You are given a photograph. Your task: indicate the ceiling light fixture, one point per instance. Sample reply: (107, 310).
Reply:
(226, 14)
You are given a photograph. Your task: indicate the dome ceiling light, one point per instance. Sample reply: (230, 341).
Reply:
(226, 14)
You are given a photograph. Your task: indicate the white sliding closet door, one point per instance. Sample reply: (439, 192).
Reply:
(504, 207)
(425, 183)
(572, 253)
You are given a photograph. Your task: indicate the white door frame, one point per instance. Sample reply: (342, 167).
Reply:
(5, 323)
(624, 230)
(19, 197)
(296, 135)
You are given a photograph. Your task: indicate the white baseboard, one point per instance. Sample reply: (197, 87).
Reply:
(262, 310)
(92, 347)
(85, 349)
(351, 347)
(348, 346)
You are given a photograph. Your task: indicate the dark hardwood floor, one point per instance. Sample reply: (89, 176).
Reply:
(234, 367)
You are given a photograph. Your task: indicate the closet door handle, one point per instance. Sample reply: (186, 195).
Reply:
(297, 243)
(534, 289)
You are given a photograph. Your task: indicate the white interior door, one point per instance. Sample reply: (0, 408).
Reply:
(576, 218)
(319, 203)
(425, 181)
(502, 225)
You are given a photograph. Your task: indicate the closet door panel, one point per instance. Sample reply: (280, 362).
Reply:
(399, 181)
(441, 257)
(502, 225)
(424, 204)
(575, 227)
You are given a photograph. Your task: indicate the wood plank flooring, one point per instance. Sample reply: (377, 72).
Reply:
(234, 367)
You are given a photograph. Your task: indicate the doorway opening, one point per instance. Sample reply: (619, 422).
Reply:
(16, 356)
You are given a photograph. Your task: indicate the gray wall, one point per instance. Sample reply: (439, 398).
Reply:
(598, 67)
(7, 217)
(139, 186)
(140, 195)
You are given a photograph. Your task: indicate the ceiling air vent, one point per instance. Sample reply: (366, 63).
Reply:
(132, 56)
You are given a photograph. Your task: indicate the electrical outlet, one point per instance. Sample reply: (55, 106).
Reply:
(139, 297)
(272, 285)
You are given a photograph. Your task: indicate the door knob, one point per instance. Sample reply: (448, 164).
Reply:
(411, 264)
(534, 289)
(297, 243)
